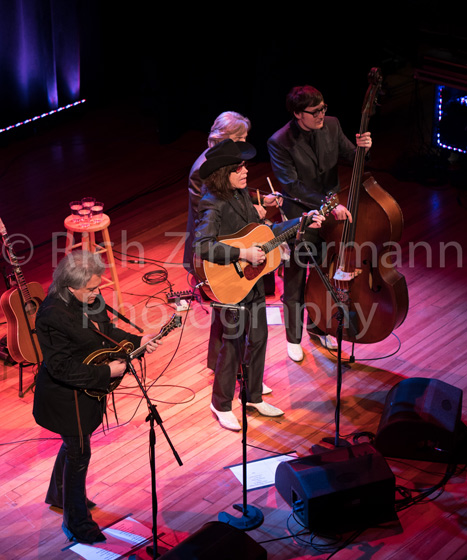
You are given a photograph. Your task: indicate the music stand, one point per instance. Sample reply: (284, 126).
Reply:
(252, 517)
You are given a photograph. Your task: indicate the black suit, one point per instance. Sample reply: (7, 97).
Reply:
(62, 406)
(224, 217)
(306, 165)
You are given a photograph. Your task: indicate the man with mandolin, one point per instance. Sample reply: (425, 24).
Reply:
(72, 323)
(225, 209)
(304, 155)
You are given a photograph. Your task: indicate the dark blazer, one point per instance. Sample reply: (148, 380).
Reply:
(195, 184)
(66, 339)
(304, 172)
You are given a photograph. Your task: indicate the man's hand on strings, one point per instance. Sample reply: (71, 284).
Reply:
(340, 212)
(117, 368)
(254, 255)
(152, 344)
(317, 219)
(364, 140)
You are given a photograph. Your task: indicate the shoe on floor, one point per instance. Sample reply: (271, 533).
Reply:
(227, 419)
(91, 534)
(266, 409)
(295, 352)
(327, 341)
(266, 390)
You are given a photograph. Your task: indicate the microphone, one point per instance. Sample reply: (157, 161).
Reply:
(226, 306)
(301, 229)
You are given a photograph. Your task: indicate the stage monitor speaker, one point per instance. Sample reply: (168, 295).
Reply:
(215, 541)
(339, 490)
(421, 420)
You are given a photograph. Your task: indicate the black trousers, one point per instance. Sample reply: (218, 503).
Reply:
(67, 488)
(244, 341)
(295, 274)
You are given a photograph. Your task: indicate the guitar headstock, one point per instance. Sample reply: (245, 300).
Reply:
(329, 203)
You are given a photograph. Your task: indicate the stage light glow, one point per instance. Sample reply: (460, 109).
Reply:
(449, 132)
(43, 115)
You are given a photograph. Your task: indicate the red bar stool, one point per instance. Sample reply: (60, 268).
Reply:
(88, 243)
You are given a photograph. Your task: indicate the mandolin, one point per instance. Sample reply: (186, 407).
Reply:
(124, 351)
(20, 305)
(232, 282)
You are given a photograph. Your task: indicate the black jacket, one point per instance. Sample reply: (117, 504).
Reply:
(308, 173)
(66, 339)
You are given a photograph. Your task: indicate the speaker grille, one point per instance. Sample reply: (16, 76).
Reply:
(343, 489)
(421, 420)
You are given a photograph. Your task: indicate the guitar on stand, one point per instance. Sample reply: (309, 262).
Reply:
(20, 304)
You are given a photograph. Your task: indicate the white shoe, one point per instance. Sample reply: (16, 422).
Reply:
(266, 409)
(266, 390)
(227, 419)
(328, 341)
(295, 352)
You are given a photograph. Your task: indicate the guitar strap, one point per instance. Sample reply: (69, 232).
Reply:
(109, 338)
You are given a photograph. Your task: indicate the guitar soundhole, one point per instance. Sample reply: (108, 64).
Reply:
(253, 271)
(31, 307)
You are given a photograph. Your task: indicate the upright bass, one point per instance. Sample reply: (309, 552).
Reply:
(358, 259)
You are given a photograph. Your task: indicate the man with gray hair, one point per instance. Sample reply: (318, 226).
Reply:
(72, 323)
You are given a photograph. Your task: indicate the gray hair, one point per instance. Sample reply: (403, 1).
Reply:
(74, 271)
(227, 124)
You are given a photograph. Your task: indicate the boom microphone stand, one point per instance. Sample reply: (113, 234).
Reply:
(342, 315)
(153, 417)
(252, 517)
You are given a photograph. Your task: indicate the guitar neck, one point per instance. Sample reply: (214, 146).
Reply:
(330, 203)
(20, 280)
(22, 284)
(282, 238)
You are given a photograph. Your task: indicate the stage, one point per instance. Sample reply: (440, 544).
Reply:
(114, 154)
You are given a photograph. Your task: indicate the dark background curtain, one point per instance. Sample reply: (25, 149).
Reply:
(183, 65)
(40, 55)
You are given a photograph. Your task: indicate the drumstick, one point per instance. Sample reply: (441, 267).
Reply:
(270, 185)
(284, 217)
(259, 197)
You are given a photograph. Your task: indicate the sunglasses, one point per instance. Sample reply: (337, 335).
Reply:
(240, 167)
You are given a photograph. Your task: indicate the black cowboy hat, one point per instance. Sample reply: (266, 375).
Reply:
(225, 153)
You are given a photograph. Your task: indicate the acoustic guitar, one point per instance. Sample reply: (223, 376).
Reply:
(124, 351)
(20, 305)
(232, 282)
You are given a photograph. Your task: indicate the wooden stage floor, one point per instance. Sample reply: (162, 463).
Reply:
(114, 154)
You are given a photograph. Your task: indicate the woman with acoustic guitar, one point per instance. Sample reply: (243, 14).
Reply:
(69, 399)
(225, 209)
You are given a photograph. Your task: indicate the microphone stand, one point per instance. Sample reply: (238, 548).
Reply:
(153, 417)
(341, 315)
(252, 517)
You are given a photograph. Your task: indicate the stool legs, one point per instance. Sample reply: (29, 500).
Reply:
(113, 269)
